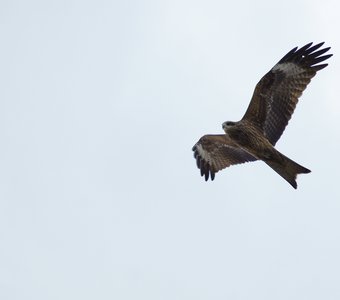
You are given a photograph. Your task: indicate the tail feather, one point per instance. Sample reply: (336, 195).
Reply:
(287, 168)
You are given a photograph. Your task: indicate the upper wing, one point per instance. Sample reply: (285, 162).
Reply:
(216, 152)
(276, 95)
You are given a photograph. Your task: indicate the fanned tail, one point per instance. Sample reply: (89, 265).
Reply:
(287, 168)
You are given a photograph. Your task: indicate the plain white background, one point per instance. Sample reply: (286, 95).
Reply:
(100, 104)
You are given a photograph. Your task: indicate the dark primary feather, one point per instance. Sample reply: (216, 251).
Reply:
(216, 152)
(277, 93)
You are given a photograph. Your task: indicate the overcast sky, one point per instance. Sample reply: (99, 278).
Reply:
(100, 105)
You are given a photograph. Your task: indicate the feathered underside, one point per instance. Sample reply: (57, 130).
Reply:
(277, 93)
(271, 107)
(216, 152)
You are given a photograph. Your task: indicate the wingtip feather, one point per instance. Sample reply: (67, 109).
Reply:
(307, 56)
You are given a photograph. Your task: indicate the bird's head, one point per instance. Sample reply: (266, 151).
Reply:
(227, 125)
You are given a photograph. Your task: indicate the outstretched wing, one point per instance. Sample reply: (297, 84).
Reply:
(216, 152)
(276, 95)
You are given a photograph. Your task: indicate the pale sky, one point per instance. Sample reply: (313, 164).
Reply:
(100, 197)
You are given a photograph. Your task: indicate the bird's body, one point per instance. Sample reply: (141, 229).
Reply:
(255, 135)
(250, 139)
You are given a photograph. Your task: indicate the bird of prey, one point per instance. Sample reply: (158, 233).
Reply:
(271, 107)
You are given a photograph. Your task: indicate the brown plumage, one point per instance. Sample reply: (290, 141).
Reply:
(271, 107)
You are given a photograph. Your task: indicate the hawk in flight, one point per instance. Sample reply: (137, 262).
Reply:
(271, 107)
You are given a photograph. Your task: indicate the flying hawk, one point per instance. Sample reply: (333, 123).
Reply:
(271, 107)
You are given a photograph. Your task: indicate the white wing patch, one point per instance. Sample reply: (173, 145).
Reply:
(289, 68)
(204, 154)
